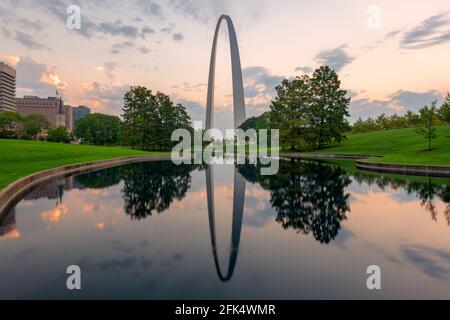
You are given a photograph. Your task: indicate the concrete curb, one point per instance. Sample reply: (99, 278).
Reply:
(324, 155)
(405, 169)
(416, 170)
(16, 189)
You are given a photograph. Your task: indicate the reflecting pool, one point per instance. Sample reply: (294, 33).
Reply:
(155, 230)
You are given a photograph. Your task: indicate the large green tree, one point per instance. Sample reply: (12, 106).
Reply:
(99, 129)
(328, 107)
(11, 125)
(149, 120)
(35, 124)
(311, 110)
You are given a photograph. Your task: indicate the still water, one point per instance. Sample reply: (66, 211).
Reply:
(154, 230)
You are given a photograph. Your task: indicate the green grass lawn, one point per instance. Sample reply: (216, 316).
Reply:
(20, 158)
(402, 146)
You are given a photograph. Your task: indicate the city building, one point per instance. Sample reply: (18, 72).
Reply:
(52, 108)
(79, 113)
(68, 110)
(7, 88)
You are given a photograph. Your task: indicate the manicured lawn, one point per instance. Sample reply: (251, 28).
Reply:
(402, 146)
(21, 158)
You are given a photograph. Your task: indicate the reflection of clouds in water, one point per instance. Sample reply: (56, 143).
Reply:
(402, 196)
(257, 211)
(365, 189)
(14, 234)
(344, 237)
(433, 262)
(53, 216)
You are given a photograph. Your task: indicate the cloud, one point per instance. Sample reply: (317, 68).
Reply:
(336, 58)
(116, 48)
(195, 109)
(119, 29)
(37, 78)
(151, 8)
(305, 69)
(398, 102)
(188, 87)
(36, 25)
(167, 30)
(430, 32)
(12, 60)
(260, 82)
(58, 8)
(178, 36)
(144, 50)
(89, 28)
(435, 263)
(200, 10)
(105, 98)
(409, 100)
(146, 30)
(109, 68)
(29, 41)
(364, 108)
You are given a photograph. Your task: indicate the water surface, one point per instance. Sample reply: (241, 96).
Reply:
(154, 230)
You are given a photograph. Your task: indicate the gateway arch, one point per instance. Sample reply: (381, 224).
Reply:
(236, 70)
(239, 118)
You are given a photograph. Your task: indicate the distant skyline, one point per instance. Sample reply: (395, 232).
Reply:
(399, 63)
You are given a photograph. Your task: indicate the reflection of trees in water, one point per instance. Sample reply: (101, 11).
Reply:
(424, 188)
(100, 179)
(307, 196)
(152, 186)
(147, 186)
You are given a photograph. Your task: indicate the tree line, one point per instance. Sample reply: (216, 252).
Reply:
(147, 123)
(311, 112)
(31, 127)
(441, 115)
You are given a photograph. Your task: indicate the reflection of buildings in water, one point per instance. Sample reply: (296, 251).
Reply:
(238, 210)
(52, 190)
(8, 224)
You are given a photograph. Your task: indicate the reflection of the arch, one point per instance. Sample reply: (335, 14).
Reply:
(238, 210)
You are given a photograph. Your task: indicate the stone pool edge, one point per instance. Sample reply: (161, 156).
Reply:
(405, 169)
(15, 189)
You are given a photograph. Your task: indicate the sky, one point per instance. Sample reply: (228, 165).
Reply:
(391, 56)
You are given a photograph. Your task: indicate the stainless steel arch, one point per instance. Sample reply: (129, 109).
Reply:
(236, 69)
(238, 211)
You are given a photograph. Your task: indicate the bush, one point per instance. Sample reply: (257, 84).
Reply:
(59, 134)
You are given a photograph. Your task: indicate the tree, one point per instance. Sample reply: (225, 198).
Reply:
(35, 124)
(427, 123)
(288, 110)
(11, 125)
(58, 134)
(151, 187)
(99, 129)
(248, 124)
(328, 108)
(311, 110)
(149, 120)
(444, 110)
(308, 197)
